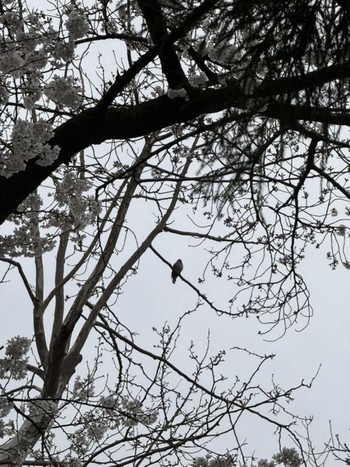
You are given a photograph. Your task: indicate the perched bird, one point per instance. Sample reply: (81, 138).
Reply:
(177, 268)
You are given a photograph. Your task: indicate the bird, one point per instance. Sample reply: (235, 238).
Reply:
(176, 270)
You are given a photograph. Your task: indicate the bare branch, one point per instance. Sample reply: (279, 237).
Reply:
(28, 287)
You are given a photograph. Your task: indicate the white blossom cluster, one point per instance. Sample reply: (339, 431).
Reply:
(23, 50)
(6, 428)
(63, 92)
(95, 426)
(110, 27)
(72, 461)
(197, 80)
(14, 363)
(29, 141)
(61, 51)
(83, 389)
(288, 457)
(219, 461)
(31, 89)
(75, 208)
(112, 412)
(11, 63)
(265, 463)
(71, 186)
(5, 407)
(31, 43)
(128, 412)
(157, 91)
(42, 408)
(12, 20)
(77, 25)
(96, 430)
(133, 413)
(26, 239)
(17, 347)
(173, 93)
(80, 441)
(108, 402)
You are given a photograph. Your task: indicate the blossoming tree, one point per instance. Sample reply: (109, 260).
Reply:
(125, 122)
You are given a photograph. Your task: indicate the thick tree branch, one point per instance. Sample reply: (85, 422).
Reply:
(59, 275)
(311, 80)
(115, 281)
(162, 46)
(87, 253)
(170, 63)
(60, 343)
(331, 180)
(38, 318)
(94, 127)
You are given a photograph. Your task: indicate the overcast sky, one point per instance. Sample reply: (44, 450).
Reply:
(150, 299)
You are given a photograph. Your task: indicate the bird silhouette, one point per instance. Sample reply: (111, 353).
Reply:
(176, 271)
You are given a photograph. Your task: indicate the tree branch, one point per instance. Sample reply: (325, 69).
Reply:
(23, 277)
(38, 321)
(170, 63)
(94, 127)
(80, 341)
(162, 44)
(198, 292)
(59, 306)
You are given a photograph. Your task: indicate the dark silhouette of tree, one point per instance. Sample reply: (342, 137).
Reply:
(225, 121)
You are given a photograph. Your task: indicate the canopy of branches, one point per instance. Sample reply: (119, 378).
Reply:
(128, 126)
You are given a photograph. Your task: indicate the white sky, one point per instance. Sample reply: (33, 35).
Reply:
(298, 354)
